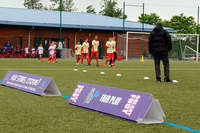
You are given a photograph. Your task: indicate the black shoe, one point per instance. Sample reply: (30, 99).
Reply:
(158, 80)
(97, 65)
(89, 64)
(168, 81)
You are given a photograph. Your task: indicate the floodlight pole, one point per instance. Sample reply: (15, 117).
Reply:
(198, 20)
(139, 5)
(60, 20)
(123, 39)
(197, 54)
(142, 30)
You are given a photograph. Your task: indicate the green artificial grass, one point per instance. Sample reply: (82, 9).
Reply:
(22, 112)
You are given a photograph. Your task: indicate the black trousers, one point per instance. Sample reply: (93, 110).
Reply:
(165, 61)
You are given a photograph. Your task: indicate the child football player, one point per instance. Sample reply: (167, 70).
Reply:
(85, 51)
(40, 52)
(33, 52)
(95, 47)
(22, 52)
(110, 54)
(18, 52)
(115, 50)
(5, 52)
(11, 52)
(55, 52)
(51, 51)
(1, 51)
(78, 52)
(26, 55)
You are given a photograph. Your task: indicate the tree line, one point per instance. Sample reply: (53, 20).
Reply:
(108, 8)
(181, 23)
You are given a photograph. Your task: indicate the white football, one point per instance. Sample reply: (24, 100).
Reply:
(75, 69)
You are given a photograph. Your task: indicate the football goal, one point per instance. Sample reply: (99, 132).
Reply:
(184, 46)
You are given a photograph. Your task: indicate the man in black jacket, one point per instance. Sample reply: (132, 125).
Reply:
(159, 46)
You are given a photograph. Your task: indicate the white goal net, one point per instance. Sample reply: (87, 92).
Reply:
(190, 54)
(135, 44)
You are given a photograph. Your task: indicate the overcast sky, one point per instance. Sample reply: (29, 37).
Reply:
(164, 8)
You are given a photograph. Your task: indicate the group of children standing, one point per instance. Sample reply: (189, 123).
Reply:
(26, 52)
(6, 53)
(30, 52)
(83, 51)
(52, 52)
(11, 52)
(40, 50)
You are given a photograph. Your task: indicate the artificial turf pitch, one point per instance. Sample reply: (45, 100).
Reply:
(22, 112)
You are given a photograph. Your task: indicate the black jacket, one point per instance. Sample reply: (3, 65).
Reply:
(159, 42)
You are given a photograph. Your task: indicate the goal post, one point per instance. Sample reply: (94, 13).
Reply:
(137, 38)
(134, 47)
(197, 54)
(188, 41)
(189, 53)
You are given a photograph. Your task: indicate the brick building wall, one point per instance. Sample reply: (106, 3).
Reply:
(21, 33)
(14, 33)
